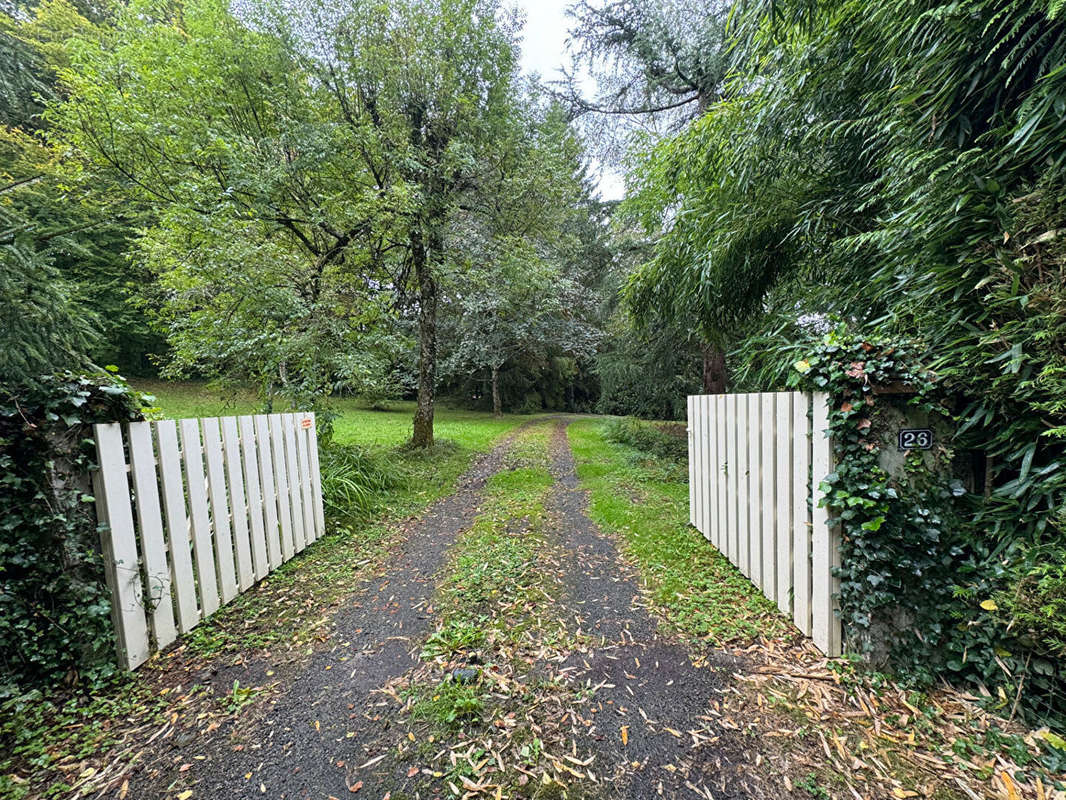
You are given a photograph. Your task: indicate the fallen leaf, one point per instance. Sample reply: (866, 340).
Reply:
(625, 735)
(1012, 793)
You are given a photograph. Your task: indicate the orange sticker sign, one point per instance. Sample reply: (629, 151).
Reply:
(305, 423)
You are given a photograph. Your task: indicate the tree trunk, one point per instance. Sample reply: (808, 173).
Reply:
(714, 374)
(497, 411)
(427, 342)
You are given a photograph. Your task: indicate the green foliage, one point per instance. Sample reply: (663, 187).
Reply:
(915, 579)
(451, 704)
(239, 697)
(898, 167)
(353, 482)
(897, 554)
(65, 283)
(661, 440)
(1034, 606)
(455, 637)
(54, 604)
(37, 726)
(647, 372)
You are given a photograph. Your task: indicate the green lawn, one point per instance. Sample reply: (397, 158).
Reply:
(356, 425)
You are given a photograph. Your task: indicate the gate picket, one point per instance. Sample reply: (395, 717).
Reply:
(768, 499)
(178, 543)
(238, 505)
(150, 525)
(250, 460)
(288, 426)
(119, 544)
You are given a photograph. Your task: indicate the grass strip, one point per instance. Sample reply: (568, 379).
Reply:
(643, 499)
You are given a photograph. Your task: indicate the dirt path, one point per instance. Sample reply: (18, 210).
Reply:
(646, 713)
(651, 684)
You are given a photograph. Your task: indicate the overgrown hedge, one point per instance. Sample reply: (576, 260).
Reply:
(929, 581)
(55, 621)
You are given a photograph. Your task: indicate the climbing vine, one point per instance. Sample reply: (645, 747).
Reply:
(54, 605)
(897, 555)
(920, 590)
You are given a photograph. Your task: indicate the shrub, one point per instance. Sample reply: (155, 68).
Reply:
(54, 603)
(663, 440)
(353, 482)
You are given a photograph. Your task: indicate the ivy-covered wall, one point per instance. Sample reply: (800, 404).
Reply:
(55, 613)
(925, 589)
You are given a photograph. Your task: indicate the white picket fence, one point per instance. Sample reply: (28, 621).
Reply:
(755, 465)
(240, 496)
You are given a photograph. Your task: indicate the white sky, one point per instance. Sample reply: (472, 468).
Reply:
(544, 50)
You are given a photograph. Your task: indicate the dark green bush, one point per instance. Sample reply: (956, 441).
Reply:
(663, 440)
(54, 604)
(1035, 604)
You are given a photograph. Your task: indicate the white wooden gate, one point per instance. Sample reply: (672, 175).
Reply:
(195, 511)
(755, 465)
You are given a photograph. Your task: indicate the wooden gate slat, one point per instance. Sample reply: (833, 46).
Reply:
(825, 547)
(281, 485)
(784, 436)
(801, 514)
(743, 476)
(254, 492)
(264, 436)
(196, 488)
(242, 546)
(305, 478)
(733, 466)
(220, 518)
(712, 474)
(316, 480)
(722, 472)
(754, 489)
(691, 430)
(119, 545)
(292, 466)
(708, 472)
(150, 524)
(178, 543)
(700, 475)
(768, 497)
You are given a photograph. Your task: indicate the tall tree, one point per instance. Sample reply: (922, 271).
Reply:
(301, 160)
(658, 66)
(426, 91)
